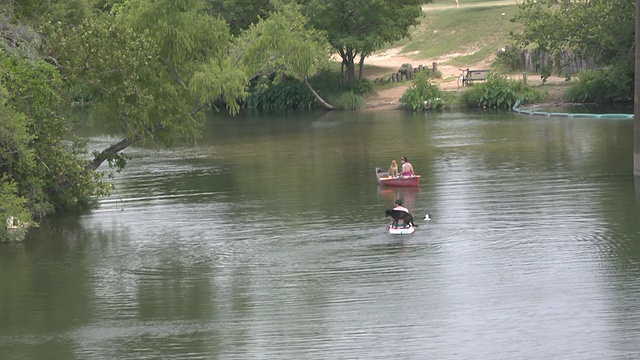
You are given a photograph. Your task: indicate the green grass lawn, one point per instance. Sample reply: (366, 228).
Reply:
(467, 35)
(462, 36)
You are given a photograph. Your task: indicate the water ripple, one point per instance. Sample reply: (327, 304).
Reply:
(256, 245)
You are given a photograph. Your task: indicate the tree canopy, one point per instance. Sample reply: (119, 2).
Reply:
(147, 69)
(41, 162)
(599, 29)
(284, 43)
(240, 14)
(360, 27)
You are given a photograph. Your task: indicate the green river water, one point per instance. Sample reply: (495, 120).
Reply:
(267, 240)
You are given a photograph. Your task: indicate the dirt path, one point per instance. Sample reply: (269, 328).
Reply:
(392, 60)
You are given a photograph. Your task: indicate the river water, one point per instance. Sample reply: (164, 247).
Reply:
(268, 241)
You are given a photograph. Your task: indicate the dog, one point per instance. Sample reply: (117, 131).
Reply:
(393, 169)
(397, 215)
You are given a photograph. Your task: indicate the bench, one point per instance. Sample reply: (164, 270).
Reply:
(469, 76)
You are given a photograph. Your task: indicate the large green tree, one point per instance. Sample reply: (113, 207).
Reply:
(602, 30)
(41, 162)
(146, 68)
(66, 12)
(15, 156)
(149, 68)
(356, 28)
(283, 44)
(240, 14)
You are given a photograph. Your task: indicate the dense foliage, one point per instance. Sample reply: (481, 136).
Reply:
(290, 93)
(283, 95)
(602, 30)
(508, 60)
(240, 14)
(500, 92)
(600, 86)
(16, 157)
(425, 94)
(282, 46)
(146, 68)
(356, 28)
(41, 163)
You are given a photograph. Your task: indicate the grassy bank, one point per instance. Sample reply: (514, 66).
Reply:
(460, 36)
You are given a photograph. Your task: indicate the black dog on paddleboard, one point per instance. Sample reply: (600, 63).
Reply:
(407, 219)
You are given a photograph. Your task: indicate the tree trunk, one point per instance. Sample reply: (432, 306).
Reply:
(325, 104)
(124, 143)
(351, 68)
(116, 148)
(343, 65)
(361, 65)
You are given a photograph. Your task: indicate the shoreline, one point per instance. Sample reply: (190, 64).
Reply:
(389, 99)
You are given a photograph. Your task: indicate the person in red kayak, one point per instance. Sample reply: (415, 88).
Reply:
(407, 168)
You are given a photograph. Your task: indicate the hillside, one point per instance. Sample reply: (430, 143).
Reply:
(467, 36)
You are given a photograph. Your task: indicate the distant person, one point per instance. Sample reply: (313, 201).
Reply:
(393, 169)
(457, 4)
(400, 213)
(407, 168)
(399, 206)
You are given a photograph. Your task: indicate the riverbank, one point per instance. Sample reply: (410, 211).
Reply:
(391, 61)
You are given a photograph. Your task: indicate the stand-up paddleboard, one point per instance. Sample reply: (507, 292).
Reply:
(401, 230)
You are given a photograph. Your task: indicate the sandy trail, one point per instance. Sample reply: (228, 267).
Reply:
(392, 60)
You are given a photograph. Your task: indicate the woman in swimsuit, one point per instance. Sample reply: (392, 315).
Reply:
(407, 168)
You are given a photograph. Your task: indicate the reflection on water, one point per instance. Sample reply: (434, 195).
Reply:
(407, 194)
(269, 240)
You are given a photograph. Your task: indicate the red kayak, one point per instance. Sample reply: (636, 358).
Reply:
(384, 179)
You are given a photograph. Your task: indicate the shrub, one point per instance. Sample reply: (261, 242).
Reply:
(12, 206)
(601, 86)
(364, 87)
(288, 94)
(425, 95)
(270, 94)
(500, 92)
(326, 82)
(349, 100)
(508, 60)
(329, 83)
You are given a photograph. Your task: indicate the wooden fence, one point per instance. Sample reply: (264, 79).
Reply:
(532, 60)
(568, 63)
